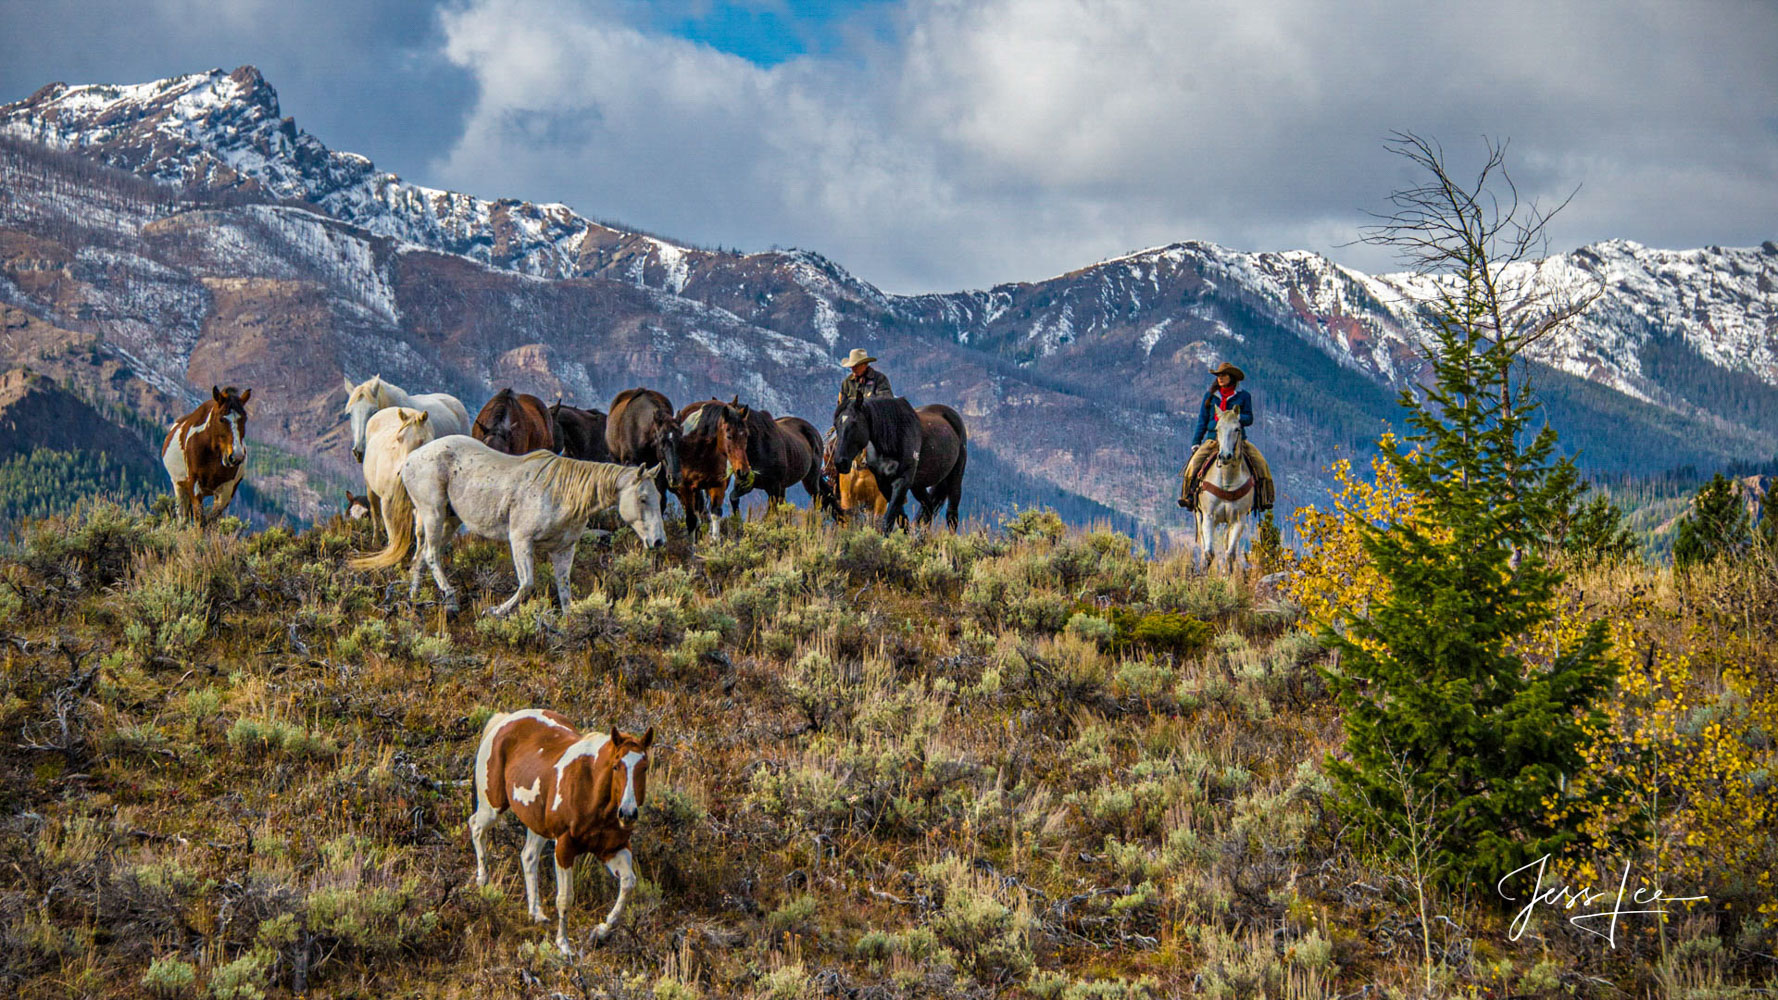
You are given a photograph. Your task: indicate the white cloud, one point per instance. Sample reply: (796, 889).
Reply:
(1014, 139)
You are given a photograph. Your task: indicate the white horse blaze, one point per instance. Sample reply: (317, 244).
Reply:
(631, 759)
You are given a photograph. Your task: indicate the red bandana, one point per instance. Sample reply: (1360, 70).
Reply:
(1227, 393)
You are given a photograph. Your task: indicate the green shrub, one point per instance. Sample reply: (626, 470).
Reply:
(169, 977)
(245, 977)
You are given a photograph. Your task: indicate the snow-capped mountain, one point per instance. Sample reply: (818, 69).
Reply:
(259, 254)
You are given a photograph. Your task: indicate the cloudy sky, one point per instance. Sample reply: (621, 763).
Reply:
(941, 144)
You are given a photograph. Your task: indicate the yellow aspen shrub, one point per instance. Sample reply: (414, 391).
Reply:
(1676, 772)
(1330, 576)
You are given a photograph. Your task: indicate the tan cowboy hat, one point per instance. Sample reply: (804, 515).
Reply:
(857, 357)
(1227, 369)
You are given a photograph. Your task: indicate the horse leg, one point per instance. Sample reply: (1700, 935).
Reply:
(184, 500)
(377, 523)
(564, 894)
(223, 498)
(619, 865)
(715, 500)
(688, 500)
(480, 822)
(1206, 537)
(896, 512)
(561, 564)
(436, 537)
(1237, 528)
(524, 563)
(528, 860)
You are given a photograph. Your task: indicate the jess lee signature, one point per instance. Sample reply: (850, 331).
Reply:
(1588, 899)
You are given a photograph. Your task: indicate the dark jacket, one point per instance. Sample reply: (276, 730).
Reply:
(1207, 412)
(874, 383)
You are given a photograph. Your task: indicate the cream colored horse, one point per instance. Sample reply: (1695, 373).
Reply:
(389, 436)
(538, 502)
(1225, 494)
(373, 394)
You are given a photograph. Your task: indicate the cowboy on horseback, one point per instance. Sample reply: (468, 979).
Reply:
(1225, 394)
(864, 382)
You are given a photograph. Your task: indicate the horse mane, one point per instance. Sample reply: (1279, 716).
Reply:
(583, 486)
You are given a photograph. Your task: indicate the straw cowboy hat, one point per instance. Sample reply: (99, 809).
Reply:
(1227, 369)
(857, 357)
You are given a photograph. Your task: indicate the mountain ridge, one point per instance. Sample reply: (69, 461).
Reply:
(1107, 351)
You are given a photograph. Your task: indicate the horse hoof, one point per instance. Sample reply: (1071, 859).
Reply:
(602, 932)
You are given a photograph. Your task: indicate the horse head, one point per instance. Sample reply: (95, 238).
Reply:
(629, 771)
(731, 438)
(231, 409)
(639, 504)
(666, 437)
(362, 400)
(851, 434)
(416, 429)
(1230, 436)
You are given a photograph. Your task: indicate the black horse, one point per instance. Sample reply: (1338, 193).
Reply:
(923, 452)
(781, 453)
(579, 433)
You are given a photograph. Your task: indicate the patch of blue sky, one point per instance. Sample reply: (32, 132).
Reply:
(769, 32)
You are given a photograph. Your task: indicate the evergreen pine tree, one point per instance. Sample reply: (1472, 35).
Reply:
(1439, 703)
(1716, 526)
(1596, 533)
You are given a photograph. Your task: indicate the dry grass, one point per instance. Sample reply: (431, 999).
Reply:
(886, 767)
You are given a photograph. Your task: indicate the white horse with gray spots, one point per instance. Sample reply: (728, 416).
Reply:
(538, 502)
(444, 411)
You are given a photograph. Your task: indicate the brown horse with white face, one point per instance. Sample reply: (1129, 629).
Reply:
(514, 423)
(205, 452)
(582, 791)
(714, 444)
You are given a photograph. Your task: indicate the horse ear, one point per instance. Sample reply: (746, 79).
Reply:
(424, 416)
(648, 738)
(348, 384)
(216, 393)
(614, 734)
(246, 394)
(651, 472)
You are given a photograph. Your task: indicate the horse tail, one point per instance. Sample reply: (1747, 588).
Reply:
(398, 519)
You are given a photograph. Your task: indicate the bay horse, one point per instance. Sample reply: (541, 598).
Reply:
(205, 453)
(856, 490)
(538, 502)
(579, 433)
(584, 792)
(715, 443)
(389, 436)
(1225, 492)
(782, 452)
(515, 423)
(448, 415)
(923, 452)
(642, 430)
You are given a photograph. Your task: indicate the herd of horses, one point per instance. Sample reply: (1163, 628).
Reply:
(535, 474)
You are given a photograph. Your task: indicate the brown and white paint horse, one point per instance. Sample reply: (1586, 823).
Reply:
(205, 452)
(582, 791)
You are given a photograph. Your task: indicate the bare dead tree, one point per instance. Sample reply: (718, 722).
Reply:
(1482, 231)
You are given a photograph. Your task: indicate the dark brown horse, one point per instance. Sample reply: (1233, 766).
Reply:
(922, 452)
(515, 423)
(205, 453)
(579, 433)
(782, 453)
(642, 430)
(715, 444)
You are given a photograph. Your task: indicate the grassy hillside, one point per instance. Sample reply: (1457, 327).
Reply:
(1016, 762)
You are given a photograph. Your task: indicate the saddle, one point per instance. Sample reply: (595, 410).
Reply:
(1197, 483)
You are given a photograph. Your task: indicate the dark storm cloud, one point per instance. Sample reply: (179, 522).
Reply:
(364, 75)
